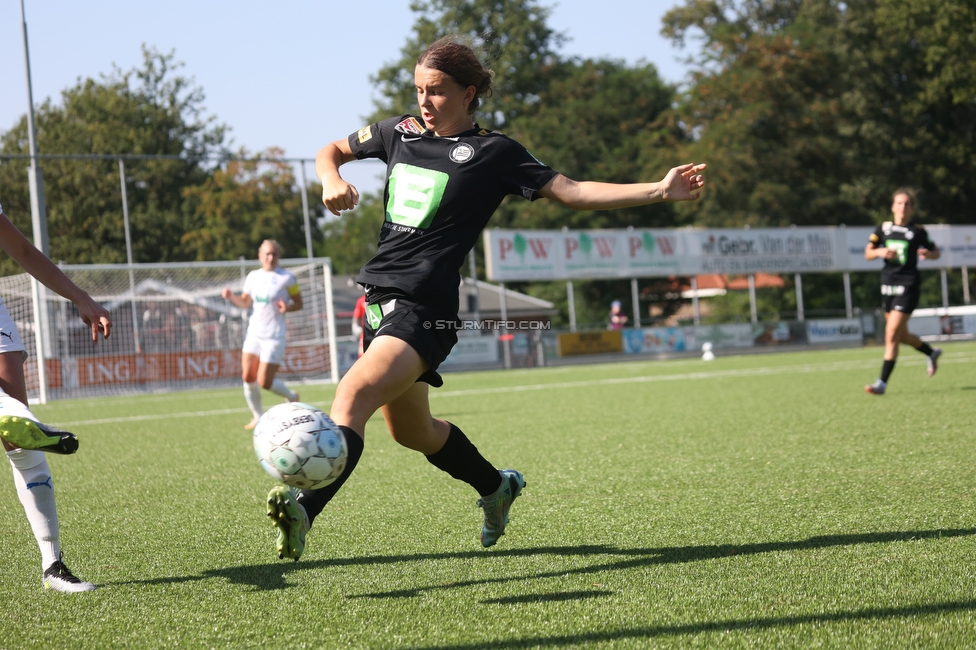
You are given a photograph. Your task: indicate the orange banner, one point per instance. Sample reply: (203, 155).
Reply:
(188, 366)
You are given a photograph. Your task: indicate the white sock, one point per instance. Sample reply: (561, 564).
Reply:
(35, 487)
(278, 388)
(252, 395)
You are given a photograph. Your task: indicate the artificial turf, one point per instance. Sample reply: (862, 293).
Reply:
(750, 501)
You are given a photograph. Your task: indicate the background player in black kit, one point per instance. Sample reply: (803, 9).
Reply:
(445, 178)
(900, 243)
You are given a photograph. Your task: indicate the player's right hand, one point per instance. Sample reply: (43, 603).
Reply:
(339, 195)
(97, 318)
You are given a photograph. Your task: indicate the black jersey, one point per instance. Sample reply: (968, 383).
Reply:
(440, 193)
(903, 269)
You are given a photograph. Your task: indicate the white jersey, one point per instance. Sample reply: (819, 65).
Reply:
(266, 288)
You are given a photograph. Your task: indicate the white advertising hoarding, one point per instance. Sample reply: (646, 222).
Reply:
(835, 330)
(635, 253)
(764, 250)
(546, 254)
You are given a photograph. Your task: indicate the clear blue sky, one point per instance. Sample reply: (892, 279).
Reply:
(292, 74)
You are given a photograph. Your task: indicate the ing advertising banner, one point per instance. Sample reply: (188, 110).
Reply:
(299, 361)
(609, 254)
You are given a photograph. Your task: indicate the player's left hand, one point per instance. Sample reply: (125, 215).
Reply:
(282, 306)
(684, 182)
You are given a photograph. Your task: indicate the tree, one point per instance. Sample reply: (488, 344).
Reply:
(150, 110)
(596, 120)
(766, 106)
(242, 204)
(915, 102)
(512, 36)
(813, 112)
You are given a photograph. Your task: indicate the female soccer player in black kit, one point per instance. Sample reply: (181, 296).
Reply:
(900, 243)
(445, 178)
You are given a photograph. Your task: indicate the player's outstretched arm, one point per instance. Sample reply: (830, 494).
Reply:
(242, 301)
(15, 244)
(682, 183)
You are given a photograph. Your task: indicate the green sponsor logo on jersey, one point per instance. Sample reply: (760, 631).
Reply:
(415, 195)
(374, 316)
(901, 246)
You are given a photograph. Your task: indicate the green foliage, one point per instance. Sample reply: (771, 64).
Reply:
(916, 102)
(813, 112)
(150, 110)
(512, 37)
(241, 205)
(597, 120)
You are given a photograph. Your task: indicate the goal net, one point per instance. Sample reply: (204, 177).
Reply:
(171, 329)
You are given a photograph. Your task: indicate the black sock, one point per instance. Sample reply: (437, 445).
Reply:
(314, 500)
(886, 369)
(925, 349)
(461, 459)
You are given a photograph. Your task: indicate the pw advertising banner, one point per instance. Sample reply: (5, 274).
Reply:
(608, 254)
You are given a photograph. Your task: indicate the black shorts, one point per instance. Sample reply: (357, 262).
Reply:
(428, 330)
(899, 297)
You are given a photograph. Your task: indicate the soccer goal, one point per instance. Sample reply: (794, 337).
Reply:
(172, 330)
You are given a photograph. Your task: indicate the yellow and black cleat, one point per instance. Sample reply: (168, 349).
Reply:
(28, 434)
(289, 517)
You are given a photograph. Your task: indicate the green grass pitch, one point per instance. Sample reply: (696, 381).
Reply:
(753, 501)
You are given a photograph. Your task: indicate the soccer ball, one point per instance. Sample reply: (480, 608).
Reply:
(300, 445)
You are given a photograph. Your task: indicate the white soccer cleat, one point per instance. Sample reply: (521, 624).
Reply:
(58, 577)
(933, 360)
(877, 388)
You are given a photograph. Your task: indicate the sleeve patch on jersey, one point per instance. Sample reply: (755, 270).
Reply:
(364, 134)
(873, 238)
(410, 125)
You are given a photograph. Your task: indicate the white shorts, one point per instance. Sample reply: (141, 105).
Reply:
(12, 406)
(10, 340)
(269, 350)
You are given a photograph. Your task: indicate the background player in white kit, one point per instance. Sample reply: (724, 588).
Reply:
(24, 438)
(269, 292)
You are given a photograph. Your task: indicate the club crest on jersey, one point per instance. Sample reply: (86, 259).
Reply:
(410, 126)
(462, 152)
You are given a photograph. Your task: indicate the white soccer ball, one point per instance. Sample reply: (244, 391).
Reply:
(300, 445)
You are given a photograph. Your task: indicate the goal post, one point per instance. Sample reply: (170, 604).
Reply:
(172, 329)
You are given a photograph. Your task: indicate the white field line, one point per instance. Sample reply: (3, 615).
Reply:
(687, 376)
(144, 418)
